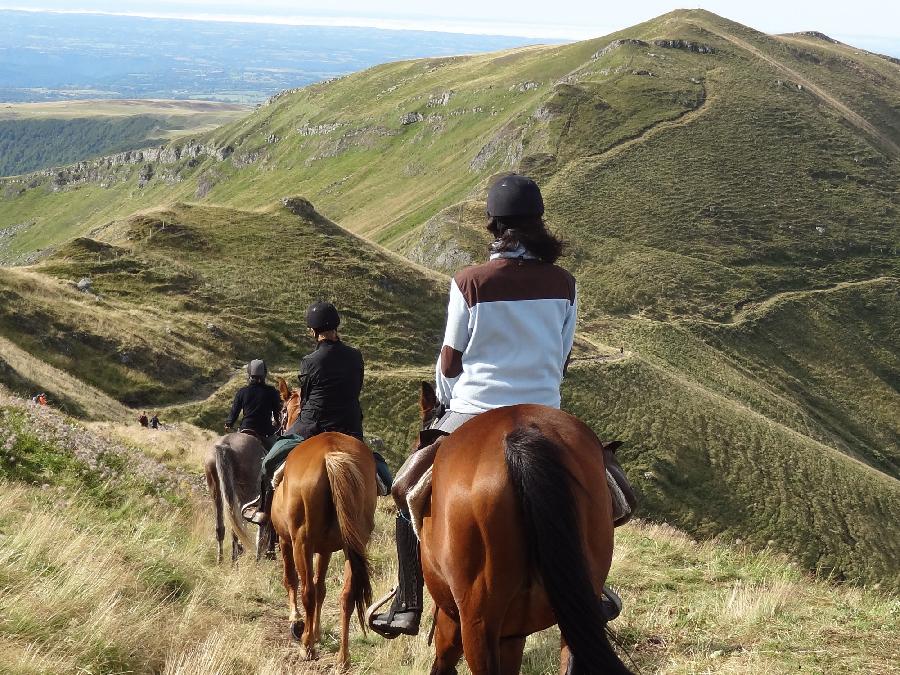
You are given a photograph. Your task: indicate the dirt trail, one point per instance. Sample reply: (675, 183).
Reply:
(757, 307)
(851, 116)
(621, 146)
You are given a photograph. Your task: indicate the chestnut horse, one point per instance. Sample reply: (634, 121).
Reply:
(324, 503)
(518, 537)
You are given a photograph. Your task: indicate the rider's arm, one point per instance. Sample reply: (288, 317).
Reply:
(568, 331)
(236, 407)
(305, 380)
(456, 339)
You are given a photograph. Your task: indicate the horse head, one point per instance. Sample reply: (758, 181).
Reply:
(290, 409)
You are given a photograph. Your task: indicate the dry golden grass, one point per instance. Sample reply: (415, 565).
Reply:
(106, 588)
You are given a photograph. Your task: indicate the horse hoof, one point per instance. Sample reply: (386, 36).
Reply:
(297, 630)
(311, 654)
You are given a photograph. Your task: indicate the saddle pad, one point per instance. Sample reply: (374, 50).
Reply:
(279, 474)
(621, 508)
(419, 497)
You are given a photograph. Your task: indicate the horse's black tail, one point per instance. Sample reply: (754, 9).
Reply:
(543, 488)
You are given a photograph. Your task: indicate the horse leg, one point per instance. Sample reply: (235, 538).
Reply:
(347, 607)
(482, 643)
(236, 548)
(303, 561)
(448, 647)
(290, 585)
(322, 560)
(565, 658)
(212, 483)
(511, 651)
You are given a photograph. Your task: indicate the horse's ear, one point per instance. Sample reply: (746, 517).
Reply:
(427, 398)
(283, 389)
(610, 445)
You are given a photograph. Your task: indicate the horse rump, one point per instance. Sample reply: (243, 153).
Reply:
(543, 489)
(348, 488)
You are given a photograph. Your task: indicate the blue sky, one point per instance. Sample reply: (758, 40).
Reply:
(872, 24)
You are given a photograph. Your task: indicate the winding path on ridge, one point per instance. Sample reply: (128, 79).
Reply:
(754, 307)
(851, 116)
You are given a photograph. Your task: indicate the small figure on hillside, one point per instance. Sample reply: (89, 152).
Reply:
(622, 349)
(42, 399)
(154, 421)
(143, 420)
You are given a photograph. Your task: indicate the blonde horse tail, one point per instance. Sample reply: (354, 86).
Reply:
(225, 469)
(348, 489)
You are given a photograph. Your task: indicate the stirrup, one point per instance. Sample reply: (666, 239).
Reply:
(383, 631)
(610, 603)
(249, 509)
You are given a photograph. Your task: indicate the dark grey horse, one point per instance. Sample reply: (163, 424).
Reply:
(232, 470)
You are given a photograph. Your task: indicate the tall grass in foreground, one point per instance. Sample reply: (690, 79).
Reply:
(97, 579)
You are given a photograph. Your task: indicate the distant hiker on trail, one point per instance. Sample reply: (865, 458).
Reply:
(510, 330)
(42, 399)
(144, 422)
(154, 421)
(259, 402)
(331, 379)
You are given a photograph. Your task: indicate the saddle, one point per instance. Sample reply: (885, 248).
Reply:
(623, 497)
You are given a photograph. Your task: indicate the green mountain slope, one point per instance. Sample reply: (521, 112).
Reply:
(729, 200)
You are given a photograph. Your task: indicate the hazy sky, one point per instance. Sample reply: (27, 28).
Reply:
(873, 24)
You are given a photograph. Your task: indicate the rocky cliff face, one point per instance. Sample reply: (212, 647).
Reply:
(157, 162)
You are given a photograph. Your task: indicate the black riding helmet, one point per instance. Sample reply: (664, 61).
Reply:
(322, 316)
(514, 195)
(257, 368)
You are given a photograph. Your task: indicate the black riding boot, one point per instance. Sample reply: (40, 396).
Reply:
(261, 517)
(406, 611)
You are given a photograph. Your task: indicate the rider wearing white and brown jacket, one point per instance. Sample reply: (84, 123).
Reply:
(510, 329)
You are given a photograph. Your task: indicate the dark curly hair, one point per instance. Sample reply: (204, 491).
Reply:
(529, 231)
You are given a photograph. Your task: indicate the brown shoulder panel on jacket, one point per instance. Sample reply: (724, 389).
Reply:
(510, 279)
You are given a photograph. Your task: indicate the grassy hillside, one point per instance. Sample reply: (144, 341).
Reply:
(125, 541)
(187, 294)
(730, 204)
(39, 135)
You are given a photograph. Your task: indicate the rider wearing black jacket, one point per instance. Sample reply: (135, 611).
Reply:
(260, 403)
(331, 380)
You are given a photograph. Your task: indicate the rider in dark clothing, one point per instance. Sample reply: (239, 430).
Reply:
(260, 402)
(331, 379)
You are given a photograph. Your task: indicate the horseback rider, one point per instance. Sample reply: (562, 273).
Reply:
(331, 379)
(510, 330)
(259, 402)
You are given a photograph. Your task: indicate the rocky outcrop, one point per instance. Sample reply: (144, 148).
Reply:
(506, 146)
(522, 87)
(319, 129)
(441, 99)
(411, 118)
(615, 44)
(686, 45)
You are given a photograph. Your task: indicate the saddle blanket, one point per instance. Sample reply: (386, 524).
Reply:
(419, 498)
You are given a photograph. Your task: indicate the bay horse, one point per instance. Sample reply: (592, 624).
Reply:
(518, 537)
(325, 503)
(232, 470)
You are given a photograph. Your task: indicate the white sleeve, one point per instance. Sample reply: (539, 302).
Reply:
(457, 333)
(568, 330)
(444, 385)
